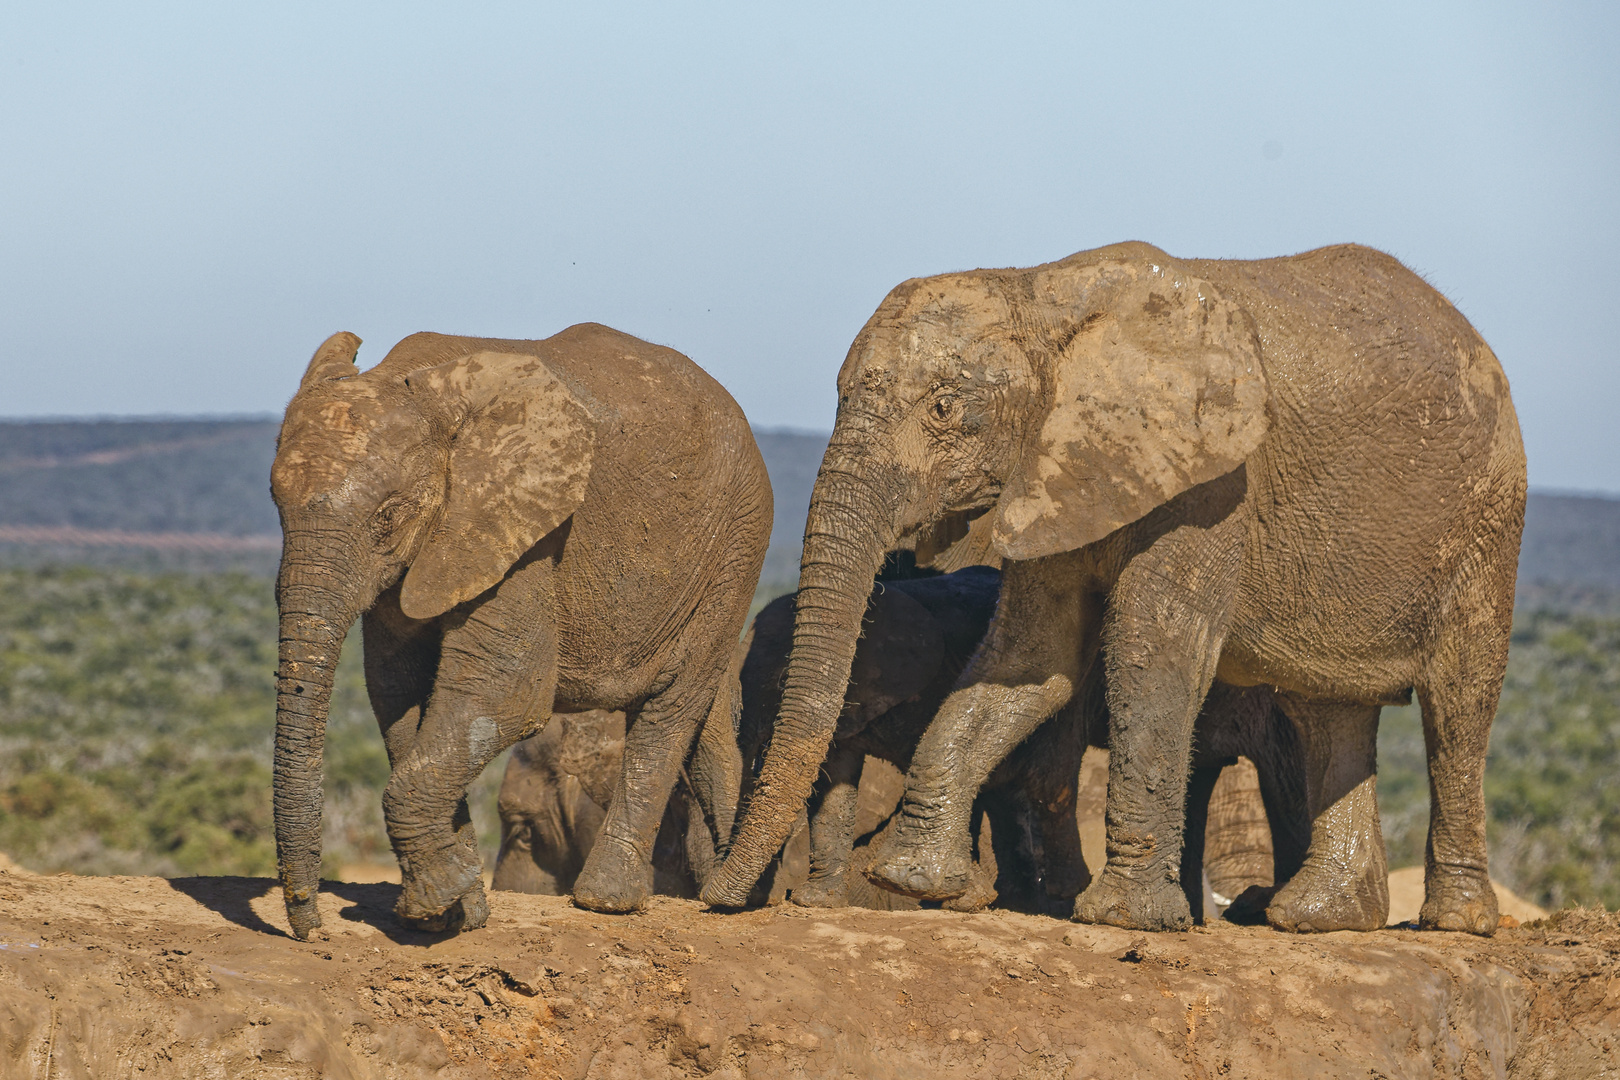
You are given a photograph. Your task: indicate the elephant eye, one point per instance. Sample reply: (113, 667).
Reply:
(388, 517)
(944, 406)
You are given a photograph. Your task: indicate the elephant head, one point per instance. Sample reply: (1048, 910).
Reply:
(1010, 413)
(432, 471)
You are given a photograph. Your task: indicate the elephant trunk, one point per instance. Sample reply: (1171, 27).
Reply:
(315, 617)
(850, 527)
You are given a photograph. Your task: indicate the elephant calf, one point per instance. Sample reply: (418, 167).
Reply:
(554, 797)
(574, 523)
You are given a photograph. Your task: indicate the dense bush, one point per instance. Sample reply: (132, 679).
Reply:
(136, 719)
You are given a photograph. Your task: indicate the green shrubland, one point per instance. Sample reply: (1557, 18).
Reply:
(137, 713)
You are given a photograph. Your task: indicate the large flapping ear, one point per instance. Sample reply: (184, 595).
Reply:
(1159, 388)
(519, 461)
(898, 656)
(333, 360)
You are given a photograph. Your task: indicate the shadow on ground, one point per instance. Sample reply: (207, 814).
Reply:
(371, 904)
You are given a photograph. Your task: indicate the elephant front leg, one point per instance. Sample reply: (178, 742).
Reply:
(494, 686)
(1026, 669)
(1344, 884)
(1161, 641)
(832, 830)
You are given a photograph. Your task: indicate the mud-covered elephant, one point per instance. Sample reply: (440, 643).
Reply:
(571, 523)
(918, 635)
(1302, 473)
(559, 784)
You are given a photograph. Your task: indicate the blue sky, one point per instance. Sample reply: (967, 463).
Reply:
(193, 196)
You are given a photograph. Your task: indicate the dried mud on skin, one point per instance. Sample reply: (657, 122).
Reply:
(143, 977)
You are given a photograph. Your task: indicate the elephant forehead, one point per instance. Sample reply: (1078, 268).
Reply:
(940, 326)
(320, 440)
(955, 307)
(1072, 285)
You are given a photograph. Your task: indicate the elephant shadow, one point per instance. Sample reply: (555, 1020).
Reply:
(232, 898)
(371, 904)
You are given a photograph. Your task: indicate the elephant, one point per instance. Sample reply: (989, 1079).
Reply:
(555, 793)
(918, 633)
(1303, 474)
(571, 523)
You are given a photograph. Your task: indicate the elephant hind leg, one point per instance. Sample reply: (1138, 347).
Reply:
(1458, 695)
(618, 873)
(1344, 884)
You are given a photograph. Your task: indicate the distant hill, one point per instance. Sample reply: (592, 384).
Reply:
(190, 476)
(196, 492)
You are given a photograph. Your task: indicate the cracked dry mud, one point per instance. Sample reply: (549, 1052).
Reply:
(144, 977)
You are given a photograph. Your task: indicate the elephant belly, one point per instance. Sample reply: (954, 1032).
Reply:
(621, 639)
(1336, 651)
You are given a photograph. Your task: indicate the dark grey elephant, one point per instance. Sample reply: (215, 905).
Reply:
(1300, 473)
(918, 636)
(571, 523)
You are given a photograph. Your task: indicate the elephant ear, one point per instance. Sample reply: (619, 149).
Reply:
(1158, 389)
(519, 460)
(958, 540)
(333, 360)
(899, 654)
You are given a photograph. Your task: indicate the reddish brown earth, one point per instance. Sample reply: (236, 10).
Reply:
(144, 977)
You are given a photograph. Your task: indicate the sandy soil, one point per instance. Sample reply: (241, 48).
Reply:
(146, 977)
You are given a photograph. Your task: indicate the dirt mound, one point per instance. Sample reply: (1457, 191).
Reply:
(145, 977)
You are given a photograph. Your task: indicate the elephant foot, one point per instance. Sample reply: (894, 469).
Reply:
(468, 913)
(616, 879)
(1135, 901)
(826, 891)
(1248, 908)
(448, 896)
(1459, 900)
(980, 895)
(1325, 897)
(923, 871)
